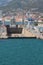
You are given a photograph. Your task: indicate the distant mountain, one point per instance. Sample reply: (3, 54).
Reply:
(4, 2)
(23, 4)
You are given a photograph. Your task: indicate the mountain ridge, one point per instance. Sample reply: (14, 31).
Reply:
(24, 4)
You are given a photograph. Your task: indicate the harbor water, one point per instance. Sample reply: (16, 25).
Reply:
(21, 52)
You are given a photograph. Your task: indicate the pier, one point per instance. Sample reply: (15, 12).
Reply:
(25, 33)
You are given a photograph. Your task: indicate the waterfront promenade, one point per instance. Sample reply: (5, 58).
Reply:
(25, 33)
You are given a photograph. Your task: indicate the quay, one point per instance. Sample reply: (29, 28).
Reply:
(25, 34)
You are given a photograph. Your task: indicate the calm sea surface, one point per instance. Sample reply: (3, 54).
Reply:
(21, 52)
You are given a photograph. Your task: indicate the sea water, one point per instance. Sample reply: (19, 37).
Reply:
(21, 52)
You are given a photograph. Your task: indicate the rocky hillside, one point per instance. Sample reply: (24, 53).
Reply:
(24, 4)
(4, 2)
